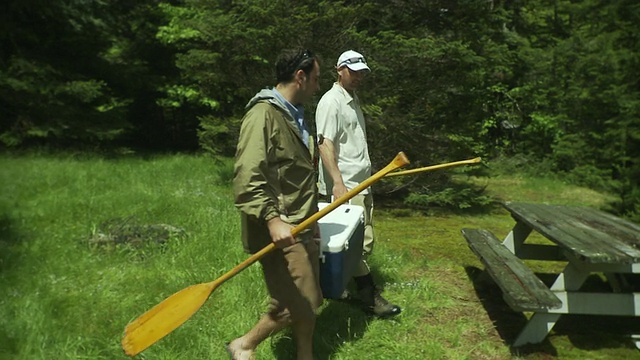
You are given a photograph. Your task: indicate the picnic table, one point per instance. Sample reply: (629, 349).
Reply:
(588, 240)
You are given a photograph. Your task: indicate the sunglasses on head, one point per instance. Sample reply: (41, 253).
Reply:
(354, 61)
(306, 55)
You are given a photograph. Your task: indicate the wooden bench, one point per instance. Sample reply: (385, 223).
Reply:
(521, 288)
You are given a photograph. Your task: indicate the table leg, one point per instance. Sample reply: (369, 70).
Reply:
(516, 237)
(540, 324)
(570, 279)
(537, 328)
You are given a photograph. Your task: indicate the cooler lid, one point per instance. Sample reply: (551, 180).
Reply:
(337, 227)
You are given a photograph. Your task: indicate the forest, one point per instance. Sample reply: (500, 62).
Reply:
(543, 87)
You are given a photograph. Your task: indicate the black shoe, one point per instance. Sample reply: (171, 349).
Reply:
(375, 304)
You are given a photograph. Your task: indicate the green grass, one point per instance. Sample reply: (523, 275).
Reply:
(62, 298)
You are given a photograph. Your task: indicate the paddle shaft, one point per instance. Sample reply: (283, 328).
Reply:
(399, 161)
(435, 167)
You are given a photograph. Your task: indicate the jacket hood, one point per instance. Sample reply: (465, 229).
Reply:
(268, 96)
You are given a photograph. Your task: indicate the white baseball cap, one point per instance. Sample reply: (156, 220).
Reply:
(353, 60)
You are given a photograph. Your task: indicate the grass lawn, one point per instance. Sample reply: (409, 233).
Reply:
(65, 295)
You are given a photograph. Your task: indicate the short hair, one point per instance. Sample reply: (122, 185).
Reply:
(291, 61)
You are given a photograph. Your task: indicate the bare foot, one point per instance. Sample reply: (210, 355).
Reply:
(238, 352)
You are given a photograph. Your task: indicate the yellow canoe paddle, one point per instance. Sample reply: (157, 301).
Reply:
(172, 312)
(435, 167)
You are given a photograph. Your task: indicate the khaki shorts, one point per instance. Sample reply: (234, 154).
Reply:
(292, 276)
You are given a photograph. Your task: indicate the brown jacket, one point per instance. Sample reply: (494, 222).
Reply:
(275, 173)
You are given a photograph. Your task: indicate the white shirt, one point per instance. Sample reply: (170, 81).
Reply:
(339, 119)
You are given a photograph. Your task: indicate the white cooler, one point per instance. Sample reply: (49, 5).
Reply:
(342, 233)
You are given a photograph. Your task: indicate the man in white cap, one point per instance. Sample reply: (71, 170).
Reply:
(344, 158)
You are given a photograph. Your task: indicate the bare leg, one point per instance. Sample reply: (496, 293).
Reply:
(243, 347)
(292, 276)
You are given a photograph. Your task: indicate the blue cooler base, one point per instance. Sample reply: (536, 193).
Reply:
(337, 269)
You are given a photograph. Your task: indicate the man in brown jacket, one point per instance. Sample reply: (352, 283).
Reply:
(275, 188)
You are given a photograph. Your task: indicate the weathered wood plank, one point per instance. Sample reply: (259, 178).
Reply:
(552, 223)
(592, 235)
(521, 288)
(614, 233)
(625, 233)
(595, 246)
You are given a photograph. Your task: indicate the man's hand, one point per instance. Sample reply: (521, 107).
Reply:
(280, 233)
(339, 190)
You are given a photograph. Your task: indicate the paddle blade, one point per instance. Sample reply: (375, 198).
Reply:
(165, 317)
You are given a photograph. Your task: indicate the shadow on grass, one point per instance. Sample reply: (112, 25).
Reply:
(9, 257)
(9, 348)
(338, 323)
(586, 332)
(9, 238)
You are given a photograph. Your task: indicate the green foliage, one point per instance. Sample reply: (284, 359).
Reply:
(628, 202)
(179, 95)
(522, 164)
(80, 74)
(56, 106)
(555, 83)
(224, 170)
(591, 176)
(410, 116)
(226, 53)
(218, 136)
(451, 197)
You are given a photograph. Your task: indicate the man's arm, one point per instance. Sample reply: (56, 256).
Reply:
(330, 163)
(253, 195)
(328, 130)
